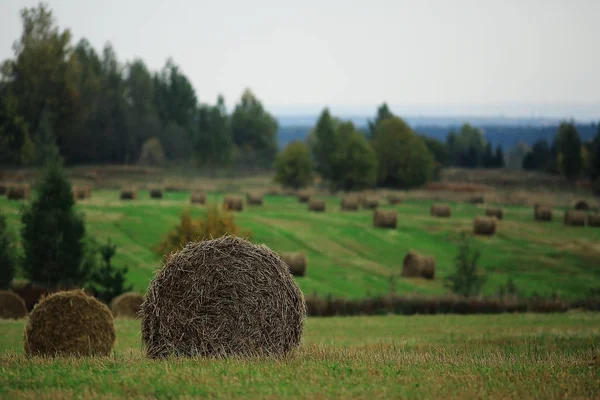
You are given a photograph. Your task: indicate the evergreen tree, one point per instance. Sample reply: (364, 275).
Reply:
(568, 145)
(108, 281)
(7, 255)
(465, 280)
(383, 113)
(489, 161)
(499, 161)
(323, 143)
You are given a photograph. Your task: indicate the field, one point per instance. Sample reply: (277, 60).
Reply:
(503, 356)
(347, 256)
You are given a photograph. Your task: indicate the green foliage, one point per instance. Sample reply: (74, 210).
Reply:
(538, 158)
(466, 280)
(8, 259)
(152, 153)
(53, 233)
(568, 145)
(323, 143)
(404, 160)
(106, 280)
(213, 142)
(293, 166)
(353, 163)
(516, 155)
(508, 289)
(499, 161)
(438, 149)
(383, 113)
(467, 148)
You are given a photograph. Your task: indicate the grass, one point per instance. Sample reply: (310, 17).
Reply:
(502, 356)
(347, 256)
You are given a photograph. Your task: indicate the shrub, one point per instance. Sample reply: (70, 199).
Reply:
(108, 281)
(152, 153)
(465, 280)
(7, 255)
(293, 166)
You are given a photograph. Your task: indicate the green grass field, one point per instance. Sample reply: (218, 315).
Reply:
(491, 356)
(347, 256)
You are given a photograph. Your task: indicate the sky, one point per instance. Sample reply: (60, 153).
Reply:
(423, 57)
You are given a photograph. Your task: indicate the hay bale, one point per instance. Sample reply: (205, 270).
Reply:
(370, 203)
(222, 297)
(394, 199)
(303, 197)
(31, 293)
(254, 199)
(11, 306)
(156, 193)
(198, 198)
(385, 219)
(232, 203)
(126, 305)
(575, 218)
(3, 188)
(494, 212)
(594, 220)
(440, 210)
(18, 192)
(484, 225)
(418, 265)
(69, 323)
(82, 192)
(289, 192)
(296, 263)
(477, 199)
(581, 205)
(542, 212)
(316, 205)
(349, 204)
(128, 194)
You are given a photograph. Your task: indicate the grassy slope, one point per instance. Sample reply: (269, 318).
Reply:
(501, 356)
(347, 256)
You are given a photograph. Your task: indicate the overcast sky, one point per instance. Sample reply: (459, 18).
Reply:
(511, 57)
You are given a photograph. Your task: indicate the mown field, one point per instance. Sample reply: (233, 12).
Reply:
(488, 356)
(347, 256)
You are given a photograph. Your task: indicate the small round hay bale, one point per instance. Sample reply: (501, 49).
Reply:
(231, 203)
(156, 193)
(198, 198)
(303, 197)
(575, 218)
(128, 194)
(126, 305)
(418, 265)
(484, 225)
(254, 199)
(11, 306)
(316, 205)
(494, 212)
(296, 263)
(370, 203)
(82, 192)
(69, 323)
(479, 199)
(542, 213)
(385, 219)
(349, 204)
(31, 293)
(18, 192)
(440, 210)
(581, 205)
(222, 297)
(394, 199)
(594, 220)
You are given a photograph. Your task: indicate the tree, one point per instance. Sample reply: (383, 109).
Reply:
(383, 113)
(499, 157)
(467, 148)
(293, 166)
(108, 281)
(213, 143)
(438, 149)
(595, 156)
(353, 163)
(538, 157)
(465, 280)
(568, 145)
(323, 143)
(403, 158)
(489, 161)
(152, 153)
(53, 233)
(7, 255)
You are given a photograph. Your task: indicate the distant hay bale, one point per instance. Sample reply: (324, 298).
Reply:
(581, 205)
(289, 192)
(18, 192)
(440, 210)
(385, 219)
(198, 198)
(594, 220)
(156, 193)
(484, 225)
(254, 199)
(494, 212)
(479, 199)
(542, 212)
(11, 306)
(418, 265)
(370, 203)
(69, 323)
(82, 192)
(31, 293)
(296, 263)
(231, 203)
(222, 297)
(303, 197)
(394, 199)
(316, 205)
(126, 305)
(575, 218)
(128, 194)
(349, 204)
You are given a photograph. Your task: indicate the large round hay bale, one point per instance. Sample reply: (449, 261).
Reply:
(126, 305)
(222, 297)
(11, 306)
(394, 199)
(254, 199)
(581, 205)
(316, 205)
(303, 197)
(82, 192)
(232, 203)
(18, 192)
(440, 210)
(418, 265)
(484, 225)
(575, 218)
(70, 323)
(156, 193)
(128, 194)
(498, 213)
(198, 198)
(296, 263)
(542, 213)
(594, 220)
(349, 203)
(31, 293)
(385, 219)
(370, 203)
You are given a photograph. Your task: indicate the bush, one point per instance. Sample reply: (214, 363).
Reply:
(404, 159)
(293, 166)
(152, 153)
(353, 164)
(7, 255)
(465, 279)
(53, 233)
(107, 281)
